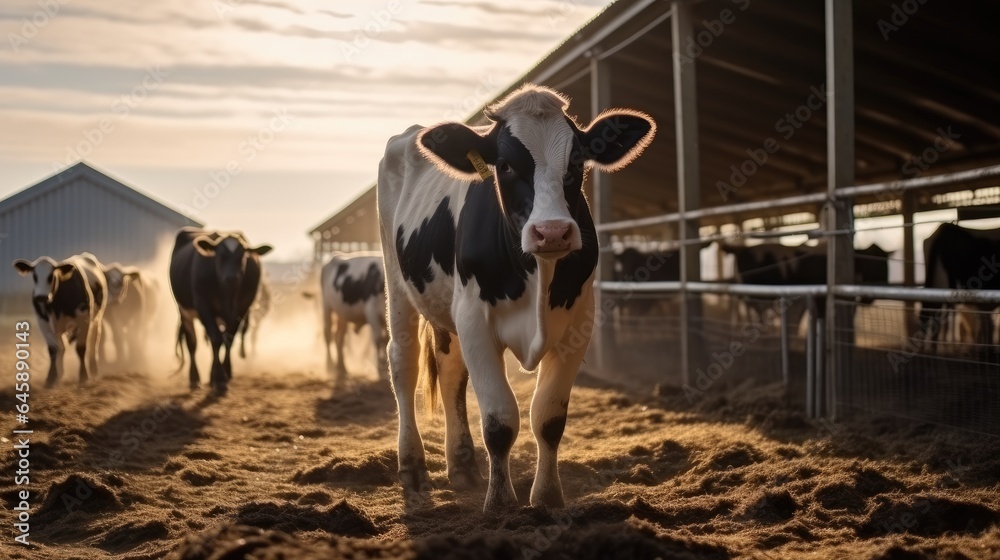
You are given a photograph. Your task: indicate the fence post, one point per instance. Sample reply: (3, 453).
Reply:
(840, 173)
(784, 341)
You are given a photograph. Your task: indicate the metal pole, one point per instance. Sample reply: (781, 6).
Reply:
(840, 174)
(688, 181)
(600, 99)
(811, 359)
(908, 206)
(784, 341)
(819, 383)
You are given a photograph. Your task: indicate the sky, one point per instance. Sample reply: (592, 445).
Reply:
(261, 115)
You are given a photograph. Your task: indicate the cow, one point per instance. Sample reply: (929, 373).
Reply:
(69, 298)
(127, 314)
(772, 264)
(214, 277)
(633, 265)
(958, 258)
(353, 292)
(258, 310)
(488, 236)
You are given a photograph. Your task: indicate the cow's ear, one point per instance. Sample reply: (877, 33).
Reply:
(616, 137)
(261, 250)
(23, 267)
(452, 148)
(65, 271)
(204, 245)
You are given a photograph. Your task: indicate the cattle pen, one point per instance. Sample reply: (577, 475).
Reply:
(823, 122)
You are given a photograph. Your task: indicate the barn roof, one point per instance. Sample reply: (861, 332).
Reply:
(83, 170)
(927, 97)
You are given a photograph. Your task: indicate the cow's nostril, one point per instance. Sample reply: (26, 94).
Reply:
(537, 235)
(567, 234)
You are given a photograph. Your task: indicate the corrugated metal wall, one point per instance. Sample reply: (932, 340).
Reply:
(76, 217)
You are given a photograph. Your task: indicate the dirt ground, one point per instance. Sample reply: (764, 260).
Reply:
(286, 466)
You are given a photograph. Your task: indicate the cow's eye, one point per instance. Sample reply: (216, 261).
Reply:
(504, 167)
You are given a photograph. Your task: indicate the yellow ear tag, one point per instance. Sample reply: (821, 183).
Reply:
(479, 164)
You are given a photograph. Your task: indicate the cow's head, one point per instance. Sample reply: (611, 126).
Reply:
(229, 252)
(538, 157)
(120, 278)
(47, 275)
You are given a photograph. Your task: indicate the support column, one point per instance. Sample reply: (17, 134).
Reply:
(600, 100)
(840, 173)
(909, 259)
(688, 184)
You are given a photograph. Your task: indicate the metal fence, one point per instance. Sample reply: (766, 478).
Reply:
(888, 365)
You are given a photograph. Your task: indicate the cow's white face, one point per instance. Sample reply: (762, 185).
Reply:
(538, 157)
(46, 275)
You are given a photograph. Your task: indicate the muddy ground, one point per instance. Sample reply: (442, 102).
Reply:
(286, 466)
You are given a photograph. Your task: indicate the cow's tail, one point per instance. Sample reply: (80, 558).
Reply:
(429, 366)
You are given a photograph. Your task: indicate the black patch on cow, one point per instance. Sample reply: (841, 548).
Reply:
(354, 289)
(498, 436)
(575, 269)
(552, 431)
(71, 296)
(442, 340)
(489, 249)
(434, 239)
(515, 173)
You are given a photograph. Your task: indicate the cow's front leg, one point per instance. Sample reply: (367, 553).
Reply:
(54, 342)
(453, 379)
(94, 331)
(217, 378)
(498, 408)
(191, 341)
(548, 418)
(84, 333)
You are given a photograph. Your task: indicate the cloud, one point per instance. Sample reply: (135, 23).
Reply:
(489, 8)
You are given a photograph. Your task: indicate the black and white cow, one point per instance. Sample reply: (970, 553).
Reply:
(214, 277)
(958, 258)
(353, 291)
(127, 315)
(504, 262)
(69, 298)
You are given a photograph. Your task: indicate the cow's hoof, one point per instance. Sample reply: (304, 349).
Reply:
(500, 499)
(465, 478)
(220, 390)
(194, 386)
(550, 497)
(417, 486)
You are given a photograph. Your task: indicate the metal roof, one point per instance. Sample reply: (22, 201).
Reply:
(927, 95)
(102, 180)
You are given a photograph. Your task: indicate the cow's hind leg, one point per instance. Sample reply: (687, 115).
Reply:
(339, 337)
(328, 339)
(404, 352)
(453, 378)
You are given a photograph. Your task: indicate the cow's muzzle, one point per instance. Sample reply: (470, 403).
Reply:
(552, 239)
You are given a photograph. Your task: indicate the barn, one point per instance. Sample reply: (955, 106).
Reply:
(352, 228)
(786, 122)
(80, 209)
